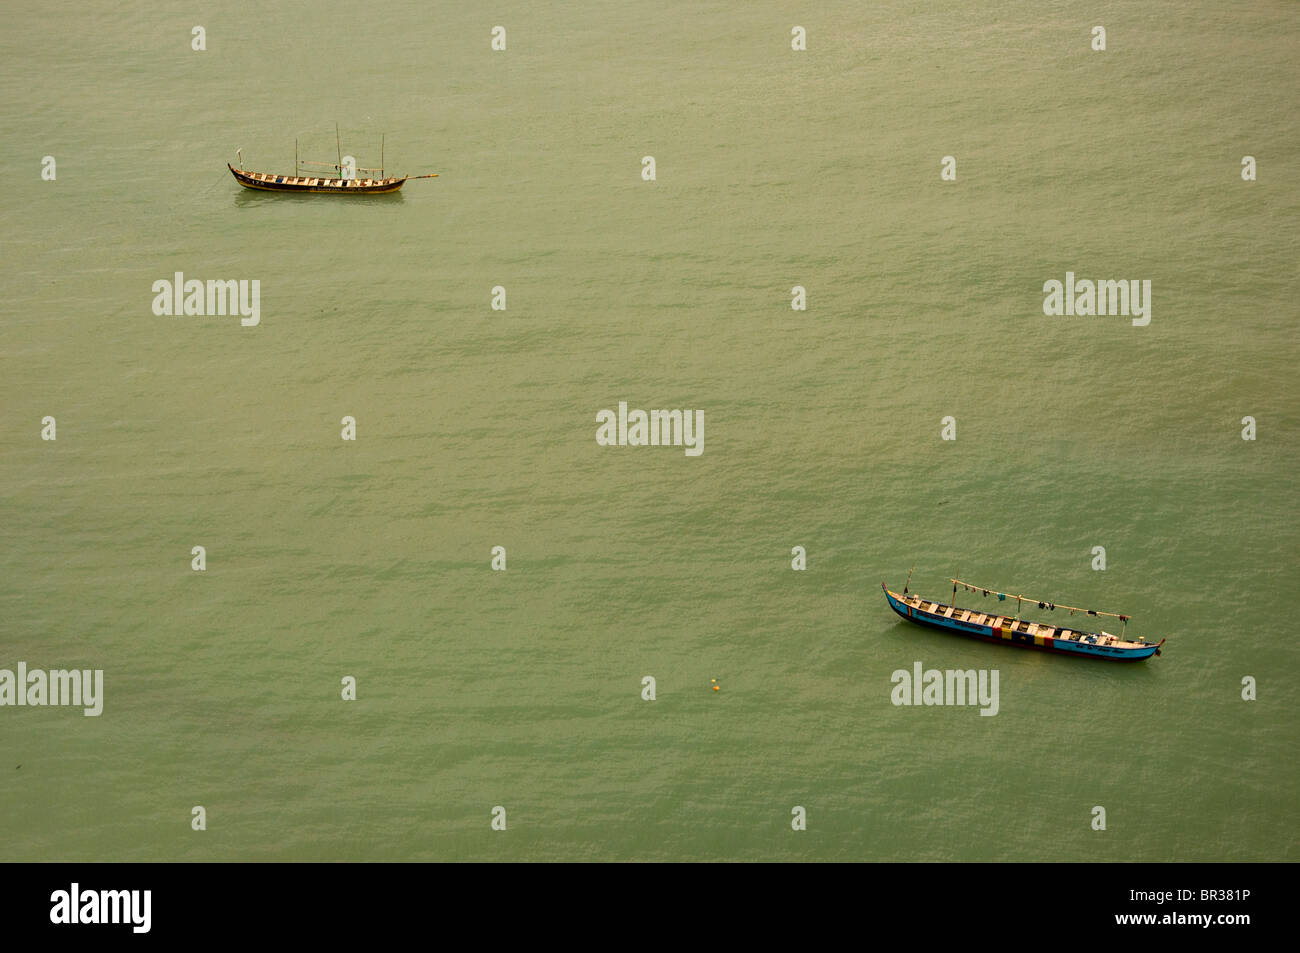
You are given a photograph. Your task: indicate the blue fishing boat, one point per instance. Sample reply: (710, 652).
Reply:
(1012, 630)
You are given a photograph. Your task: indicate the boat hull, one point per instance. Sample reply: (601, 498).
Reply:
(1004, 631)
(268, 182)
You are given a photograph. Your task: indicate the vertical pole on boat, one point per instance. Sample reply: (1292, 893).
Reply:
(381, 155)
(240, 154)
(339, 144)
(909, 578)
(295, 158)
(1018, 598)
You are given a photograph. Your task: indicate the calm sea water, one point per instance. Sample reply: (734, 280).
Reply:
(476, 429)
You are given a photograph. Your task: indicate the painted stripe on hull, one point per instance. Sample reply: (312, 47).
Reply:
(1004, 635)
(298, 188)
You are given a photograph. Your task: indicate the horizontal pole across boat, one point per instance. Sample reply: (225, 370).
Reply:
(1043, 603)
(335, 165)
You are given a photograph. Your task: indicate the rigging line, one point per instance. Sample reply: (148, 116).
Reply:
(1116, 615)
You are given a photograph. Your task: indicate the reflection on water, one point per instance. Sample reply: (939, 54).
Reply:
(247, 197)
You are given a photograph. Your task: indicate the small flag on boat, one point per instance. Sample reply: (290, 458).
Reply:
(1002, 596)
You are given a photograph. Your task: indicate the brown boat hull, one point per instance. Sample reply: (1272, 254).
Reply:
(269, 182)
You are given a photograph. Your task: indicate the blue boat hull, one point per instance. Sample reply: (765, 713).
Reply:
(1003, 630)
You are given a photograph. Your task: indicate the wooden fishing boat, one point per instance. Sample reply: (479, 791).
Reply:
(1012, 630)
(344, 181)
(272, 182)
